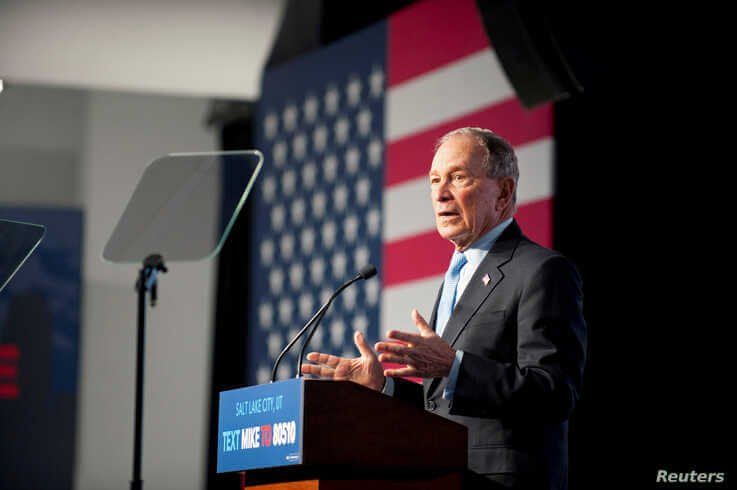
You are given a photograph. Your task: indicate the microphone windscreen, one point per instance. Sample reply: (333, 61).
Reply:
(367, 272)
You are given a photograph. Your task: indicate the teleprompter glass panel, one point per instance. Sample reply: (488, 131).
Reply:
(17, 242)
(180, 208)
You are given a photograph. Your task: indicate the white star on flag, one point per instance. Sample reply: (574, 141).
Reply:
(286, 245)
(342, 127)
(307, 240)
(354, 90)
(271, 125)
(279, 152)
(265, 314)
(328, 234)
(352, 159)
(311, 107)
(330, 168)
(364, 122)
(376, 80)
(332, 97)
(319, 201)
(299, 146)
(320, 137)
(309, 174)
(290, 117)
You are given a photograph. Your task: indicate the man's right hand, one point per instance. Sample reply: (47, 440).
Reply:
(365, 370)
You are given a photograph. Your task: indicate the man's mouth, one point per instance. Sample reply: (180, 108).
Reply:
(446, 214)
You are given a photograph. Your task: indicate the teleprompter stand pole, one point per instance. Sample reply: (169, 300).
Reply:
(147, 275)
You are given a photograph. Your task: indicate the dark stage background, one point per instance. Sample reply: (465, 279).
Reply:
(639, 189)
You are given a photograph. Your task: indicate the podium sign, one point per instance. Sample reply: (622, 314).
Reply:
(260, 426)
(315, 433)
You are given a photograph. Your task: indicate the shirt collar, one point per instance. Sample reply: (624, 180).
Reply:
(478, 249)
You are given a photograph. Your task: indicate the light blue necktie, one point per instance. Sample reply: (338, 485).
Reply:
(450, 285)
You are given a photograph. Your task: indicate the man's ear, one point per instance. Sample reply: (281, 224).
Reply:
(506, 192)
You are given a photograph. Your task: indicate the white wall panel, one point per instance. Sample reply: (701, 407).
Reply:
(214, 49)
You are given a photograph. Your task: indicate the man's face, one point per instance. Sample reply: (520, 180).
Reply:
(467, 203)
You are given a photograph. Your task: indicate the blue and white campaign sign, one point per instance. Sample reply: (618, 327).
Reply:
(260, 426)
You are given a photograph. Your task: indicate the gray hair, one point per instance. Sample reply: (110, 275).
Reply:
(499, 159)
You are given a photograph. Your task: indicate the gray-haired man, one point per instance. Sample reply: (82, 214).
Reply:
(504, 349)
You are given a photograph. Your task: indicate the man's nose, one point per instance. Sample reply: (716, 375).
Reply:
(442, 192)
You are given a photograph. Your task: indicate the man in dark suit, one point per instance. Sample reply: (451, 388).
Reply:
(504, 350)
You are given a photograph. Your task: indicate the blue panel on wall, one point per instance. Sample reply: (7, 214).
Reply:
(39, 351)
(54, 272)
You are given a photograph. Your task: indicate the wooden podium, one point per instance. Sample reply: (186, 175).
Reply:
(356, 438)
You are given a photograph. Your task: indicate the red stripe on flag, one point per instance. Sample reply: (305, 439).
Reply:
(410, 157)
(9, 391)
(416, 257)
(427, 254)
(536, 220)
(8, 371)
(9, 352)
(426, 36)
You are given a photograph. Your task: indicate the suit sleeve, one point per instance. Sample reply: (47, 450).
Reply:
(545, 381)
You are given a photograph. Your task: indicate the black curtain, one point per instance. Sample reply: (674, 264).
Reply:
(637, 182)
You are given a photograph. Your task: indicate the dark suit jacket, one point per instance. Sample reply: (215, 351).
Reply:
(524, 342)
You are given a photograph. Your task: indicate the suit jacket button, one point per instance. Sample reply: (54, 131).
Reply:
(431, 405)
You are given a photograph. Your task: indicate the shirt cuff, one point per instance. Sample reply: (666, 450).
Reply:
(450, 386)
(388, 386)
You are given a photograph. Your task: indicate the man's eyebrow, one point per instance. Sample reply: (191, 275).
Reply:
(454, 168)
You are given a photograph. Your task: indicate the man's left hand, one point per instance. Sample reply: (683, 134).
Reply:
(425, 354)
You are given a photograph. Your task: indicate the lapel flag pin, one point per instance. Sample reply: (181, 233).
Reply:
(486, 279)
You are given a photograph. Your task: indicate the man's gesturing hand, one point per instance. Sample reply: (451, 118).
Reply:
(426, 354)
(365, 370)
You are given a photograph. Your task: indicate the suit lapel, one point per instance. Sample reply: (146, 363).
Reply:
(430, 383)
(434, 315)
(478, 290)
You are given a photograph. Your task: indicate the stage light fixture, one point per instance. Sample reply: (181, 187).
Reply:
(523, 37)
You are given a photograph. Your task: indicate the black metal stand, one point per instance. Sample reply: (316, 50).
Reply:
(147, 276)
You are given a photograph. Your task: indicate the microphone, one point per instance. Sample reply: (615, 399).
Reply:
(366, 272)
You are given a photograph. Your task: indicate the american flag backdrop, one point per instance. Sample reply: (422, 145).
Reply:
(348, 135)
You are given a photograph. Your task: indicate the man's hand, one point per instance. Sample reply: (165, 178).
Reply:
(365, 370)
(426, 354)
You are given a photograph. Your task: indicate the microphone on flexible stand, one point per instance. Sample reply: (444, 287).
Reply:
(367, 272)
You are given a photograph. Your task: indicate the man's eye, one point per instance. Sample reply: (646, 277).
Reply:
(459, 177)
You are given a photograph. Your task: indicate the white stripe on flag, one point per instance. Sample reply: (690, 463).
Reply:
(408, 209)
(536, 170)
(445, 93)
